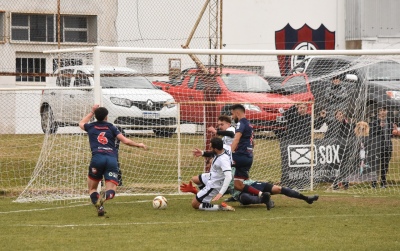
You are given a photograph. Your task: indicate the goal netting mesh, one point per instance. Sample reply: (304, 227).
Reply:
(330, 123)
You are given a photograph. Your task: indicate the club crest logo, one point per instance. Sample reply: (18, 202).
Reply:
(94, 170)
(304, 38)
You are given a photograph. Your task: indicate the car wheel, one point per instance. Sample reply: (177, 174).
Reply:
(164, 133)
(49, 126)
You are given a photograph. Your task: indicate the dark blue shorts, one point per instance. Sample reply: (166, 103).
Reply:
(263, 186)
(243, 164)
(104, 165)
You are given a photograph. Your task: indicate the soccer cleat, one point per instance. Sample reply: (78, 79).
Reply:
(230, 199)
(99, 204)
(313, 198)
(335, 186)
(101, 211)
(265, 198)
(226, 207)
(271, 204)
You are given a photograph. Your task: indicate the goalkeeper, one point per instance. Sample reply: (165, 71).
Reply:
(216, 182)
(102, 137)
(246, 198)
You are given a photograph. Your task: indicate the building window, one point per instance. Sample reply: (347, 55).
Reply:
(32, 67)
(2, 22)
(74, 29)
(43, 28)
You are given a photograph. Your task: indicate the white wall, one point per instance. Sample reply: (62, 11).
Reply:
(249, 24)
(252, 24)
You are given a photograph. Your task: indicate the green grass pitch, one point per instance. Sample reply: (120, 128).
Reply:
(334, 222)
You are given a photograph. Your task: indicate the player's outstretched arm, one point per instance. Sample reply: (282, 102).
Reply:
(197, 152)
(212, 130)
(88, 117)
(129, 142)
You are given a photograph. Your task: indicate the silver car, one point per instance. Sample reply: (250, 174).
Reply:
(133, 101)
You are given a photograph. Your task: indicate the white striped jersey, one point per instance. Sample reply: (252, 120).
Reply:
(220, 164)
(228, 140)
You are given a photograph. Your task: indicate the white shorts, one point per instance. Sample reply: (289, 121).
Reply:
(206, 194)
(204, 178)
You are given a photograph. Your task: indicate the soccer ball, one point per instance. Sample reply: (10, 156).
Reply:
(160, 202)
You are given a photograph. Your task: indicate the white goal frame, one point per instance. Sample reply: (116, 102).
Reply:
(98, 50)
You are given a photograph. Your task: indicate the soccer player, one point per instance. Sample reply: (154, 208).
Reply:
(224, 129)
(242, 153)
(215, 182)
(246, 198)
(102, 137)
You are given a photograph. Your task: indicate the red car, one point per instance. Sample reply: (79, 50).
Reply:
(232, 86)
(296, 87)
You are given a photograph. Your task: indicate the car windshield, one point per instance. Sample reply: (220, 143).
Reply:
(245, 83)
(384, 71)
(296, 84)
(126, 82)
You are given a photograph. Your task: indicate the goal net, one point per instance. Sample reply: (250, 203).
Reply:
(322, 121)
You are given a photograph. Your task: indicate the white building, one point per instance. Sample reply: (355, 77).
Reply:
(29, 27)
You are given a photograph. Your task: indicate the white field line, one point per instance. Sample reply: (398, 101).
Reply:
(79, 205)
(133, 202)
(199, 222)
(42, 209)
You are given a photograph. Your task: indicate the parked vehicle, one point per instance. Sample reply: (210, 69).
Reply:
(133, 101)
(381, 79)
(296, 87)
(230, 86)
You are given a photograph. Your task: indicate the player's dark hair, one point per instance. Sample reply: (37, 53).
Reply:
(217, 143)
(238, 107)
(225, 118)
(101, 113)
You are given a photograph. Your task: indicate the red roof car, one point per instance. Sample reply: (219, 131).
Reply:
(295, 87)
(232, 86)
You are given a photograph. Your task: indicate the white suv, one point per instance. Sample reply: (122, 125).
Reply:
(133, 101)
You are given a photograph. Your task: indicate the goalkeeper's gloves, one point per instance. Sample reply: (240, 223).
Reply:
(188, 188)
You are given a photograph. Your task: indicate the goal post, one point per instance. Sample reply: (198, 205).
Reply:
(327, 123)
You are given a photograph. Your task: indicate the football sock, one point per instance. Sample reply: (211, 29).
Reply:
(208, 207)
(94, 197)
(293, 194)
(119, 176)
(110, 194)
(247, 199)
(251, 190)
